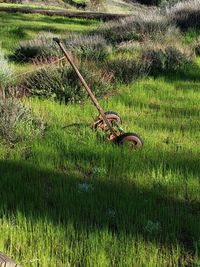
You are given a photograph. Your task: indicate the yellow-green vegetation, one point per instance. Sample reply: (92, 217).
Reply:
(71, 198)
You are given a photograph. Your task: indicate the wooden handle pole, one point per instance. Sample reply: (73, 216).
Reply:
(94, 100)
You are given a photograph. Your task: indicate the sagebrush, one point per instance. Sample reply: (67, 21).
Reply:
(61, 82)
(17, 122)
(6, 71)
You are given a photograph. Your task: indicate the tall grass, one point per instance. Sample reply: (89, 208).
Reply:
(87, 202)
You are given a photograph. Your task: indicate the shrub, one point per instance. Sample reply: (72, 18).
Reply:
(5, 69)
(172, 36)
(137, 27)
(17, 121)
(185, 14)
(40, 48)
(44, 48)
(93, 47)
(145, 23)
(62, 83)
(170, 58)
(128, 69)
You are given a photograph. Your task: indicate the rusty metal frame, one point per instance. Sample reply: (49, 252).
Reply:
(84, 83)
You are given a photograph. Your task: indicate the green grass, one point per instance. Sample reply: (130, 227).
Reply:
(44, 6)
(143, 206)
(191, 36)
(18, 27)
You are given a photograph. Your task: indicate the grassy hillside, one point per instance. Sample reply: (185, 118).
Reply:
(111, 6)
(68, 196)
(14, 30)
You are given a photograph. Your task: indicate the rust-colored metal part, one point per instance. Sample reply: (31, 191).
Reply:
(93, 98)
(112, 118)
(132, 139)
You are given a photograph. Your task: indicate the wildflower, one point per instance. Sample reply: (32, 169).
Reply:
(152, 227)
(111, 213)
(85, 187)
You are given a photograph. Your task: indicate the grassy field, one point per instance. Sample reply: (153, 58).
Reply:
(18, 27)
(73, 199)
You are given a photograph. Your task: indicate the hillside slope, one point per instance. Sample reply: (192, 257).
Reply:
(68, 196)
(111, 6)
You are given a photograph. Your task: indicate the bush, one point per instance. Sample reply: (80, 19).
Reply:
(127, 70)
(5, 69)
(93, 47)
(185, 14)
(167, 59)
(41, 48)
(17, 121)
(138, 27)
(62, 82)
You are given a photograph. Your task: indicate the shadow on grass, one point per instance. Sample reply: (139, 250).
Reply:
(40, 193)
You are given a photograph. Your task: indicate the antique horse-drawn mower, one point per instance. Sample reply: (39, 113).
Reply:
(109, 122)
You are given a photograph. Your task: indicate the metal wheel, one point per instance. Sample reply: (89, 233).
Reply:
(111, 116)
(132, 139)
